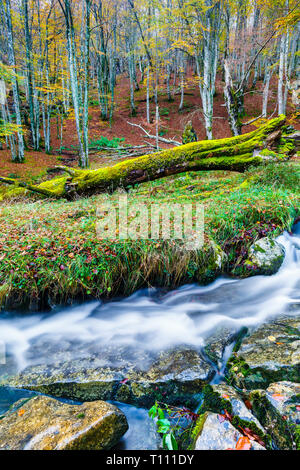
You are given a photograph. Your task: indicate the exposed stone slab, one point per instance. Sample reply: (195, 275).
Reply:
(270, 354)
(43, 423)
(238, 406)
(215, 433)
(285, 397)
(174, 376)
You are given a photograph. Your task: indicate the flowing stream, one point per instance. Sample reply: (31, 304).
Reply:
(153, 320)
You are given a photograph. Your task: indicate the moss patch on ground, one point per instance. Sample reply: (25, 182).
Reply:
(49, 250)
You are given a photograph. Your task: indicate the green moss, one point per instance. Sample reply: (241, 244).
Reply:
(235, 153)
(9, 192)
(268, 153)
(55, 185)
(239, 338)
(197, 430)
(271, 420)
(212, 401)
(285, 147)
(259, 249)
(239, 374)
(297, 436)
(237, 369)
(189, 134)
(241, 424)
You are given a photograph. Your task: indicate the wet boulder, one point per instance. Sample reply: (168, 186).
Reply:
(235, 404)
(271, 353)
(230, 405)
(43, 423)
(216, 343)
(285, 397)
(265, 256)
(284, 433)
(118, 373)
(213, 432)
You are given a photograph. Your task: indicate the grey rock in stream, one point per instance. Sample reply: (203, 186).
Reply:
(42, 423)
(278, 409)
(285, 397)
(265, 256)
(115, 373)
(238, 406)
(215, 433)
(270, 354)
(216, 344)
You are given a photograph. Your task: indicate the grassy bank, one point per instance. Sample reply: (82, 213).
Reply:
(49, 251)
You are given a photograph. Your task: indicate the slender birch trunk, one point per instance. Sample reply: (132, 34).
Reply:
(85, 157)
(180, 108)
(268, 74)
(30, 73)
(280, 99)
(230, 101)
(71, 46)
(211, 35)
(5, 7)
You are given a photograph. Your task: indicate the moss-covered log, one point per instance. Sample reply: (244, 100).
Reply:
(233, 153)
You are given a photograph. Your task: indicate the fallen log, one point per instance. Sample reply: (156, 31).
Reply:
(24, 185)
(233, 153)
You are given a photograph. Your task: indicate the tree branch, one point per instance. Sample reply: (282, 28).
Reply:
(150, 136)
(30, 187)
(250, 122)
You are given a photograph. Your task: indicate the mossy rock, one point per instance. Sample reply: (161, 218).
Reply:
(270, 354)
(281, 432)
(285, 397)
(220, 398)
(265, 256)
(116, 373)
(42, 423)
(214, 433)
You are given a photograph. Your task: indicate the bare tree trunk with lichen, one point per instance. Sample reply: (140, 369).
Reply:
(233, 153)
(231, 102)
(5, 15)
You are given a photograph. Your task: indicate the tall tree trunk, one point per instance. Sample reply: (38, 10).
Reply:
(113, 69)
(280, 100)
(71, 47)
(148, 95)
(85, 157)
(30, 72)
(5, 7)
(180, 108)
(211, 35)
(268, 74)
(231, 102)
